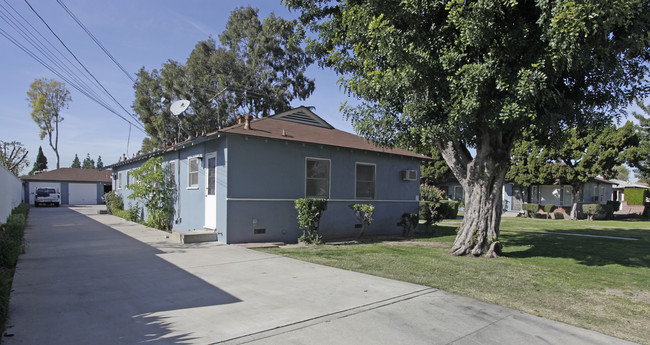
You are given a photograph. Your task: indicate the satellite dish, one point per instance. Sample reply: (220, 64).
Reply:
(179, 106)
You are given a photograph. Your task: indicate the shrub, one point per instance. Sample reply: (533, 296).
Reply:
(430, 193)
(131, 214)
(615, 205)
(432, 212)
(11, 240)
(450, 208)
(408, 222)
(310, 211)
(11, 246)
(530, 208)
(364, 214)
(591, 210)
(635, 196)
(549, 209)
(5, 291)
(114, 202)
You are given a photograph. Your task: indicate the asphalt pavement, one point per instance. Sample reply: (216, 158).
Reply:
(89, 278)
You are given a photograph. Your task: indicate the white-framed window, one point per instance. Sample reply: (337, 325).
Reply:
(193, 173)
(128, 178)
(317, 178)
(119, 180)
(595, 195)
(534, 194)
(365, 181)
(172, 174)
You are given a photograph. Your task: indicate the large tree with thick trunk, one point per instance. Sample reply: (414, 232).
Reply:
(471, 77)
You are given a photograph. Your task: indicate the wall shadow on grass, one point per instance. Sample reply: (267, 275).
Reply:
(590, 251)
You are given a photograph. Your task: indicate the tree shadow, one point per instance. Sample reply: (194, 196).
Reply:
(81, 279)
(590, 251)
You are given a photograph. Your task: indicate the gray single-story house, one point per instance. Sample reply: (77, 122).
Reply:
(242, 181)
(597, 191)
(77, 186)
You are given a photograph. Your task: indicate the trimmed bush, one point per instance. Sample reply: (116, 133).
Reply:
(364, 214)
(616, 205)
(549, 209)
(431, 212)
(310, 211)
(408, 222)
(591, 210)
(530, 208)
(449, 208)
(635, 196)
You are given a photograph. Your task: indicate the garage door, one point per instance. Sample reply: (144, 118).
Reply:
(34, 185)
(82, 194)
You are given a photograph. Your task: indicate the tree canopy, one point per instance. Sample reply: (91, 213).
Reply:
(88, 162)
(41, 162)
(478, 75)
(47, 98)
(76, 163)
(583, 154)
(13, 155)
(258, 69)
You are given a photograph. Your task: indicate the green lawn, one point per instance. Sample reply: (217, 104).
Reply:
(596, 283)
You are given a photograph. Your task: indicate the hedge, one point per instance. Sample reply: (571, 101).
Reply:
(11, 246)
(531, 208)
(635, 196)
(591, 210)
(450, 208)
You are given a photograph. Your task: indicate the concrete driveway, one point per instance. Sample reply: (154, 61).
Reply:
(97, 279)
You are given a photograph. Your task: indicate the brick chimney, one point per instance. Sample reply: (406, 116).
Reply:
(247, 124)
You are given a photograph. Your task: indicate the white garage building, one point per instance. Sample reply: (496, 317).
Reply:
(77, 186)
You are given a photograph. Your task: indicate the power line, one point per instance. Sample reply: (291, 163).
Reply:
(28, 52)
(35, 42)
(95, 40)
(80, 63)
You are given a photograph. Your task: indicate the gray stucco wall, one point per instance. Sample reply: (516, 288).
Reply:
(266, 176)
(258, 181)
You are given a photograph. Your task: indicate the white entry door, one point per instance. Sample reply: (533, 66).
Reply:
(211, 191)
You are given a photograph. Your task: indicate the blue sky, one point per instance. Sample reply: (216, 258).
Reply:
(137, 33)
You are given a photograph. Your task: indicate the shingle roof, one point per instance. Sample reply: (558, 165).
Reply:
(299, 125)
(71, 175)
(282, 127)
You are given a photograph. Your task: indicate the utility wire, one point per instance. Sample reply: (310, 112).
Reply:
(82, 65)
(95, 40)
(71, 79)
(28, 52)
(28, 36)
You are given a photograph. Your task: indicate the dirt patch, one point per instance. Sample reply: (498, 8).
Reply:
(639, 296)
(423, 244)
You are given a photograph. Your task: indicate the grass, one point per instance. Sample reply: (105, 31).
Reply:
(596, 283)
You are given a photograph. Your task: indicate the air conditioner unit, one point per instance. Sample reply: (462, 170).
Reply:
(409, 175)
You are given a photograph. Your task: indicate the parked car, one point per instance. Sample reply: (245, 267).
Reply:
(47, 195)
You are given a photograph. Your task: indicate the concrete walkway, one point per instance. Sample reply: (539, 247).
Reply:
(97, 279)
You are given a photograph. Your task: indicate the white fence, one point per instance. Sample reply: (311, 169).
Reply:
(11, 190)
